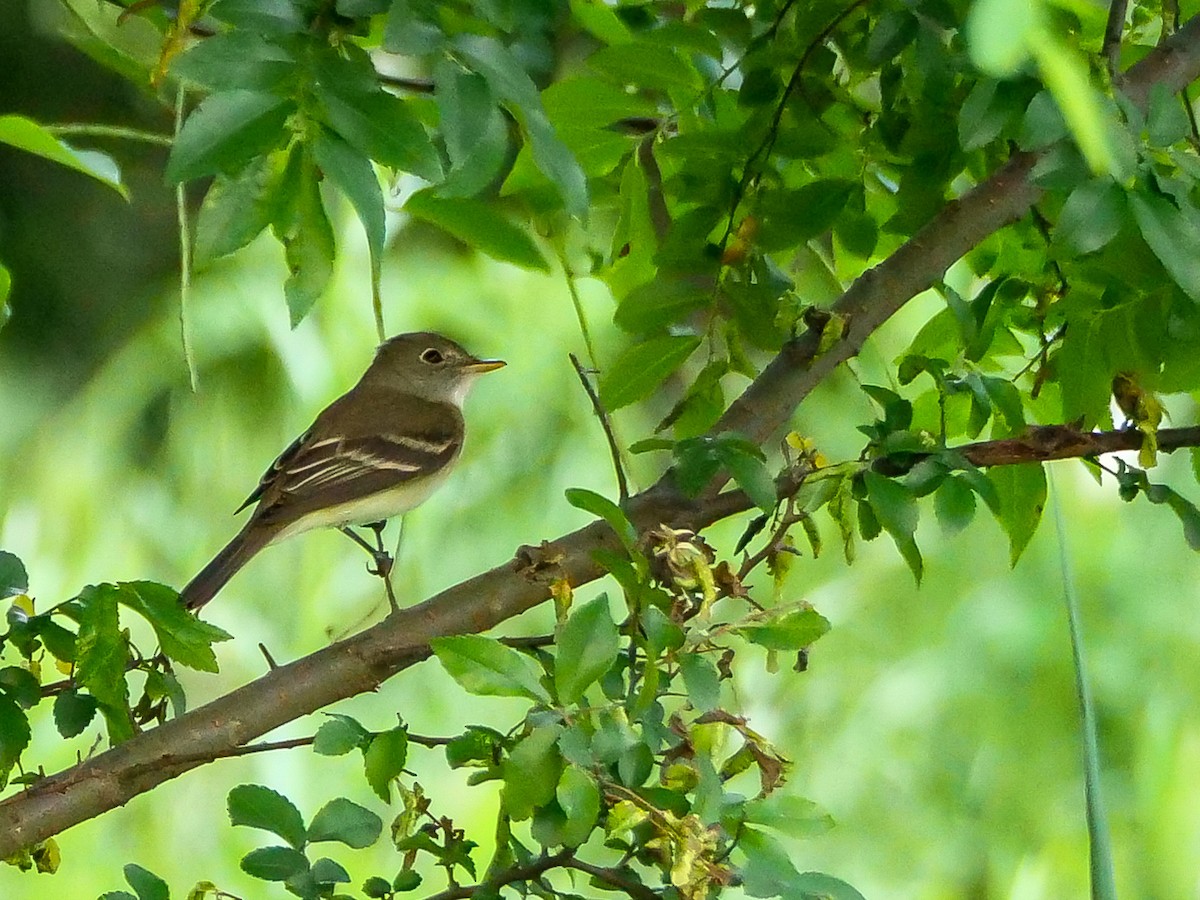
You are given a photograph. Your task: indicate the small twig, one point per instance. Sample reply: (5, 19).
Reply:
(185, 258)
(602, 414)
(577, 302)
(527, 872)
(610, 877)
(428, 741)
(528, 643)
(415, 85)
(111, 131)
(1113, 29)
(271, 664)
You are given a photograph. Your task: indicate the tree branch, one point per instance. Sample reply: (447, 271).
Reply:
(362, 662)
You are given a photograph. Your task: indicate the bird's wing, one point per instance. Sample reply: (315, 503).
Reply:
(363, 456)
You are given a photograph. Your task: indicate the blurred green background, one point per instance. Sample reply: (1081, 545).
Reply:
(937, 725)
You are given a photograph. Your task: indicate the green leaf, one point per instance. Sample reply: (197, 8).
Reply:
(355, 177)
(260, 807)
(26, 134)
(236, 60)
(1189, 515)
(1091, 217)
(998, 34)
(226, 131)
(347, 822)
(326, 871)
(896, 509)
(14, 580)
(602, 507)
(655, 305)
(14, 735)
(791, 217)
(339, 735)
(1065, 73)
(145, 883)
(768, 871)
(954, 504)
(382, 127)
(475, 746)
(1173, 236)
(384, 760)
(473, 129)
(702, 681)
(587, 645)
(642, 368)
(73, 712)
(788, 814)
(478, 225)
(746, 464)
(102, 654)
(484, 666)
(5, 309)
(236, 209)
(600, 21)
(794, 630)
(275, 17)
(274, 863)
(531, 772)
(21, 685)
(306, 235)
(646, 64)
(579, 797)
(1166, 121)
(511, 83)
(1022, 492)
(183, 637)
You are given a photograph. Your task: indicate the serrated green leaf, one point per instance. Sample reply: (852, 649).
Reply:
(578, 796)
(14, 735)
(306, 234)
(384, 760)
(702, 681)
(226, 131)
(602, 507)
(587, 646)
(73, 712)
(1022, 493)
(472, 127)
(477, 745)
(352, 172)
(236, 209)
(1173, 236)
(236, 60)
(794, 630)
(145, 883)
(347, 822)
(256, 806)
(381, 127)
(478, 225)
(339, 735)
(101, 657)
(954, 504)
(642, 368)
(484, 666)
(655, 305)
(1091, 217)
(531, 772)
(896, 510)
(14, 580)
(26, 134)
(274, 863)
(21, 685)
(511, 83)
(183, 637)
(326, 871)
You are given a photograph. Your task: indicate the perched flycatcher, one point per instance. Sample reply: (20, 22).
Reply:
(376, 452)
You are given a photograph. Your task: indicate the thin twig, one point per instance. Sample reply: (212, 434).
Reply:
(610, 877)
(532, 870)
(602, 414)
(111, 131)
(577, 302)
(185, 258)
(1113, 29)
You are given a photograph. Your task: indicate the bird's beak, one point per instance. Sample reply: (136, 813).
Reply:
(479, 366)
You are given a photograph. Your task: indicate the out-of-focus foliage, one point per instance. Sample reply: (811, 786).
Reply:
(707, 178)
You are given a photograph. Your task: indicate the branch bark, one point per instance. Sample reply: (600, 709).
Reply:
(363, 662)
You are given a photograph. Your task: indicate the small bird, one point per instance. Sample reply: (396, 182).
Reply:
(376, 452)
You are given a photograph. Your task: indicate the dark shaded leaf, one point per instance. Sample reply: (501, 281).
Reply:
(642, 368)
(260, 807)
(347, 822)
(587, 646)
(226, 131)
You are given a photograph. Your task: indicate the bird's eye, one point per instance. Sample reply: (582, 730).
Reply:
(433, 356)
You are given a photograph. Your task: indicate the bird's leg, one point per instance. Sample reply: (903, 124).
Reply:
(383, 559)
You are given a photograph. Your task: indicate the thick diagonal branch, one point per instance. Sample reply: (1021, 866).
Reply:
(363, 662)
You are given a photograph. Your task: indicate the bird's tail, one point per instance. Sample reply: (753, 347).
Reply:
(252, 538)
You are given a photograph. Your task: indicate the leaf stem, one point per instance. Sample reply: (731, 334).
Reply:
(185, 259)
(84, 129)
